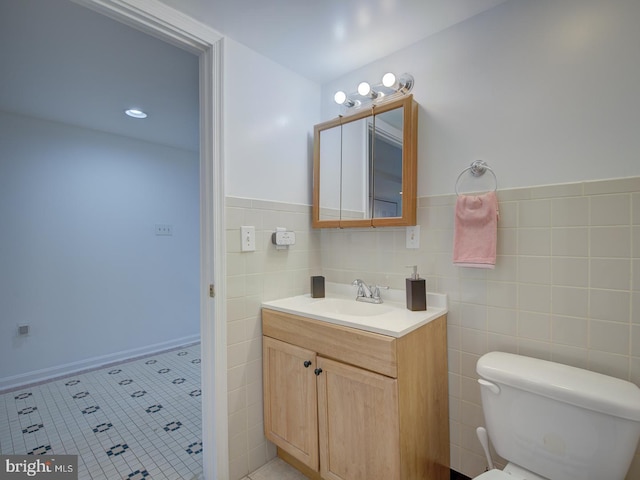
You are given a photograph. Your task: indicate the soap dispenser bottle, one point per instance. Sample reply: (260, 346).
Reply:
(416, 291)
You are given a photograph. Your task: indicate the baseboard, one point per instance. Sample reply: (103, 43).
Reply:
(458, 476)
(315, 475)
(38, 376)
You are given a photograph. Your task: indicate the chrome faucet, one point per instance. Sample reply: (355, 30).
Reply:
(366, 293)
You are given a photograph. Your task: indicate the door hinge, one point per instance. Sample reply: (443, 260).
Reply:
(212, 291)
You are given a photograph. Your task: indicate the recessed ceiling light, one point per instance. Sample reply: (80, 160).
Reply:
(135, 113)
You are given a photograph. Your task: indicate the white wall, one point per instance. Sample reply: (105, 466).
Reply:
(545, 92)
(269, 114)
(80, 261)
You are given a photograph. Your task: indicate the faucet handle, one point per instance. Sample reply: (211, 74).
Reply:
(360, 284)
(376, 290)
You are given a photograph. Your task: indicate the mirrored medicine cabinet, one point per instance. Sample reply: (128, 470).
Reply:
(365, 167)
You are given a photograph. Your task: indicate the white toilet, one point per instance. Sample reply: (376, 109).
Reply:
(555, 422)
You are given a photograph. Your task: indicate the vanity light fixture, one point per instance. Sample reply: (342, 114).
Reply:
(364, 89)
(390, 86)
(403, 84)
(389, 80)
(341, 99)
(135, 113)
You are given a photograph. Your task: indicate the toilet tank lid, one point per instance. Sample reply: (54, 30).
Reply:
(572, 385)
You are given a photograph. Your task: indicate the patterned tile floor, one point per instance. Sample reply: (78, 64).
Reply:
(138, 420)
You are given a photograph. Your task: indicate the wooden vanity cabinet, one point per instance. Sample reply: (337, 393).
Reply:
(347, 404)
(357, 423)
(290, 400)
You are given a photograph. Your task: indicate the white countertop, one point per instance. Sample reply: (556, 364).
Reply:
(388, 318)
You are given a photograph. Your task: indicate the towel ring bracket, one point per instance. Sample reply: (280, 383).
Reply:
(477, 169)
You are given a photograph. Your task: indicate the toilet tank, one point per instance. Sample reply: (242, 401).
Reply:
(560, 422)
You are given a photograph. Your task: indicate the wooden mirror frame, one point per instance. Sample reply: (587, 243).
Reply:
(409, 166)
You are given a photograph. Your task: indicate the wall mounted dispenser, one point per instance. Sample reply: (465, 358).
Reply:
(282, 238)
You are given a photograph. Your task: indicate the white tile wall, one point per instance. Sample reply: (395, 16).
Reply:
(254, 277)
(565, 288)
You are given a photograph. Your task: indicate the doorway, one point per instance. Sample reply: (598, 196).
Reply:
(160, 22)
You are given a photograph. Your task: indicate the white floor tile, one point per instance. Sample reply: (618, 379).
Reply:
(277, 469)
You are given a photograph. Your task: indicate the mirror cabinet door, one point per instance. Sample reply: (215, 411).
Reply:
(386, 163)
(355, 171)
(330, 174)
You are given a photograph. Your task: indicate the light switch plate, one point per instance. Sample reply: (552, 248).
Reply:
(248, 238)
(413, 237)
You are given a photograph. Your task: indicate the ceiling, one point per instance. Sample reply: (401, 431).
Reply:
(325, 39)
(63, 62)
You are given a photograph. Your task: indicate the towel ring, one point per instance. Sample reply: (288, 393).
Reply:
(477, 169)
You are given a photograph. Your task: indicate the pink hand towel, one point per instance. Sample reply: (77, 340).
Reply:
(476, 231)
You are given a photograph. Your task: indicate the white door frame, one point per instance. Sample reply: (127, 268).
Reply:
(172, 26)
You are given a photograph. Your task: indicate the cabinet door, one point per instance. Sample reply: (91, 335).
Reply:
(290, 400)
(358, 423)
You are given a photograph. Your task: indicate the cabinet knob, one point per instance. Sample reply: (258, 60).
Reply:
(307, 363)
(317, 371)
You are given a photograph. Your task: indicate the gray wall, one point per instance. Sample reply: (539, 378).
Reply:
(80, 261)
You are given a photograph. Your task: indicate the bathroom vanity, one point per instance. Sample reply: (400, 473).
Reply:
(344, 400)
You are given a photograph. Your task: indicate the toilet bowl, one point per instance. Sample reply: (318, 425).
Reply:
(553, 421)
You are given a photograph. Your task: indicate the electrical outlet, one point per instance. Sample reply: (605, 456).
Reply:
(164, 229)
(23, 329)
(413, 237)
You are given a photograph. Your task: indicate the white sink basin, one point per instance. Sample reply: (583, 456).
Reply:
(340, 307)
(348, 306)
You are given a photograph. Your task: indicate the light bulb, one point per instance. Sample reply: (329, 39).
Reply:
(388, 80)
(364, 89)
(340, 97)
(135, 113)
